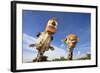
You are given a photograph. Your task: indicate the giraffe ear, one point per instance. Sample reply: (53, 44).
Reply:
(64, 40)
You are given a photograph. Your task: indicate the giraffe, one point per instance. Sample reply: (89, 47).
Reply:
(71, 41)
(44, 39)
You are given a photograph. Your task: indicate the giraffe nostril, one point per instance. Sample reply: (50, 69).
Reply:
(53, 23)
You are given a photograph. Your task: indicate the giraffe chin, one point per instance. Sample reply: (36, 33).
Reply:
(71, 46)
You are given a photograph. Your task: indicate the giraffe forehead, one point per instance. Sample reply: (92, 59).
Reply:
(72, 37)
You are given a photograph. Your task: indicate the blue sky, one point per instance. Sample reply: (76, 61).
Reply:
(68, 22)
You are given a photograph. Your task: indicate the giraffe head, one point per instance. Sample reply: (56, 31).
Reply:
(71, 40)
(51, 25)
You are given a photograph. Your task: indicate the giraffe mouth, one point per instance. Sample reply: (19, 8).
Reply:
(74, 43)
(51, 29)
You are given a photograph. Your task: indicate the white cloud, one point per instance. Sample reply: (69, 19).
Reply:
(63, 46)
(78, 54)
(57, 53)
(28, 57)
(28, 52)
(27, 40)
